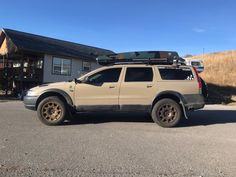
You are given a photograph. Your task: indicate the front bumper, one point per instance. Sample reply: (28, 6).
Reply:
(30, 102)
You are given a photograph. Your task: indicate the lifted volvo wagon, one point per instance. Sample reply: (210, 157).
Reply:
(153, 82)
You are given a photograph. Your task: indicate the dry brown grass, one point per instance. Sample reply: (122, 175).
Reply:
(220, 68)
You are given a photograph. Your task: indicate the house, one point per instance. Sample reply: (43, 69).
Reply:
(27, 60)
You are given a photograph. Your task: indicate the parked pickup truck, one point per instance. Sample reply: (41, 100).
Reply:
(198, 64)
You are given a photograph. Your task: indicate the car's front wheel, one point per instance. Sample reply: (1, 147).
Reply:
(51, 111)
(166, 113)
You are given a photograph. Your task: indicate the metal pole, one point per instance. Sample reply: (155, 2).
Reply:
(203, 52)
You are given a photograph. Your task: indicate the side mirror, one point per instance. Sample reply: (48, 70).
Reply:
(77, 81)
(85, 80)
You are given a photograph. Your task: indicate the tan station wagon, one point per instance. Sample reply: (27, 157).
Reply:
(167, 92)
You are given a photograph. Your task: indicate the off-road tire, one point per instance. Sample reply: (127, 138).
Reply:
(166, 113)
(52, 111)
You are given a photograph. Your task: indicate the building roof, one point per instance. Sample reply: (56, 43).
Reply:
(46, 45)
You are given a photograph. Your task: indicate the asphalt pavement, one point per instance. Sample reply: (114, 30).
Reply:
(108, 144)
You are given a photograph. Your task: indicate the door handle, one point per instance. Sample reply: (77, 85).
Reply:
(111, 86)
(149, 86)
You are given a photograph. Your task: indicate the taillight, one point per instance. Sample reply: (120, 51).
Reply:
(198, 79)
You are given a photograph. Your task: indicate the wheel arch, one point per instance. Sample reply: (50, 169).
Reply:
(176, 96)
(168, 94)
(55, 92)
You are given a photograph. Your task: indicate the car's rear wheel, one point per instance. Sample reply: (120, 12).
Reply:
(51, 111)
(166, 113)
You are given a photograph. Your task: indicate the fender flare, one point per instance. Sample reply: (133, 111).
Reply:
(170, 94)
(58, 92)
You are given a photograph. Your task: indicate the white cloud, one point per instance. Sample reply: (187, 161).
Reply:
(199, 30)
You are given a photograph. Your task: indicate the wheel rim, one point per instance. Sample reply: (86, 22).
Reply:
(167, 113)
(51, 111)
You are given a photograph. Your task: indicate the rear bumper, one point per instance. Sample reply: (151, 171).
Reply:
(30, 102)
(194, 101)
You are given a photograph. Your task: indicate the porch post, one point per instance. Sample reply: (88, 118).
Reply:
(5, 75)
(21, 74)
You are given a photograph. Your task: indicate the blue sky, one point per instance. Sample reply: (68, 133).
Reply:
(186, 26)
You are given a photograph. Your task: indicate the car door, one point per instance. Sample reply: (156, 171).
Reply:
(138, 88)
(100, 91)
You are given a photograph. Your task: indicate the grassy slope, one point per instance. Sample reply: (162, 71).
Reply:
(220, 74)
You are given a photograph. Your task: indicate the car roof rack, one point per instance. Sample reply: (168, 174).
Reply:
(142, 57)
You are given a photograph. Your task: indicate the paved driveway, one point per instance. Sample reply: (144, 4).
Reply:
(117, 145)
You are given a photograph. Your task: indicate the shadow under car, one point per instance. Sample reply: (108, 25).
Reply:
(196, 118)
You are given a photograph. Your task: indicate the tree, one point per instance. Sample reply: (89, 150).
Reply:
(187, 56)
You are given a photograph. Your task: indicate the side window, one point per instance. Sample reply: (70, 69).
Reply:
(176, 74)
(108, 75)
(195, 63)
(139, 75)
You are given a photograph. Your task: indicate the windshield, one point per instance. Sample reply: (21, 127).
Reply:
(195, 63)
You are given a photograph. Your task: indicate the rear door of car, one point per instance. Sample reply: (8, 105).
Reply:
(137, 88)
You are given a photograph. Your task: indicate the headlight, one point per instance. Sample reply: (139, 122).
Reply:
(31, 93)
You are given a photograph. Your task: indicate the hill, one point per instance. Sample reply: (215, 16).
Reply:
(220, 74)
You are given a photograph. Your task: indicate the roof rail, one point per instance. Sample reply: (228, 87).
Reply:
(144, 57)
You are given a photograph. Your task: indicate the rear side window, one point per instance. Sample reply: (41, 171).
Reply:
(176, 74)
(139, 75)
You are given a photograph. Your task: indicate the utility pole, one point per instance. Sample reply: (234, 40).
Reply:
(203, 52)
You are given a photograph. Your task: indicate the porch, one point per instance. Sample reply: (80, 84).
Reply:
(19, 72)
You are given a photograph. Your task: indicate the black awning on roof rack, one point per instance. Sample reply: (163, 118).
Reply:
(148, 57)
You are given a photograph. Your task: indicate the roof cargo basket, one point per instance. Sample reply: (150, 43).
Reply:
(144, 57)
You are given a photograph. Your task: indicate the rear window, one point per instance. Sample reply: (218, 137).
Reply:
(176, 74)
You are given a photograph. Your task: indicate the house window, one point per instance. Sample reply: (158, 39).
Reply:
(86, 66)
(61, 66)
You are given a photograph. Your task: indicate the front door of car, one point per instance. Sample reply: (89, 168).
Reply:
(100, 91)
